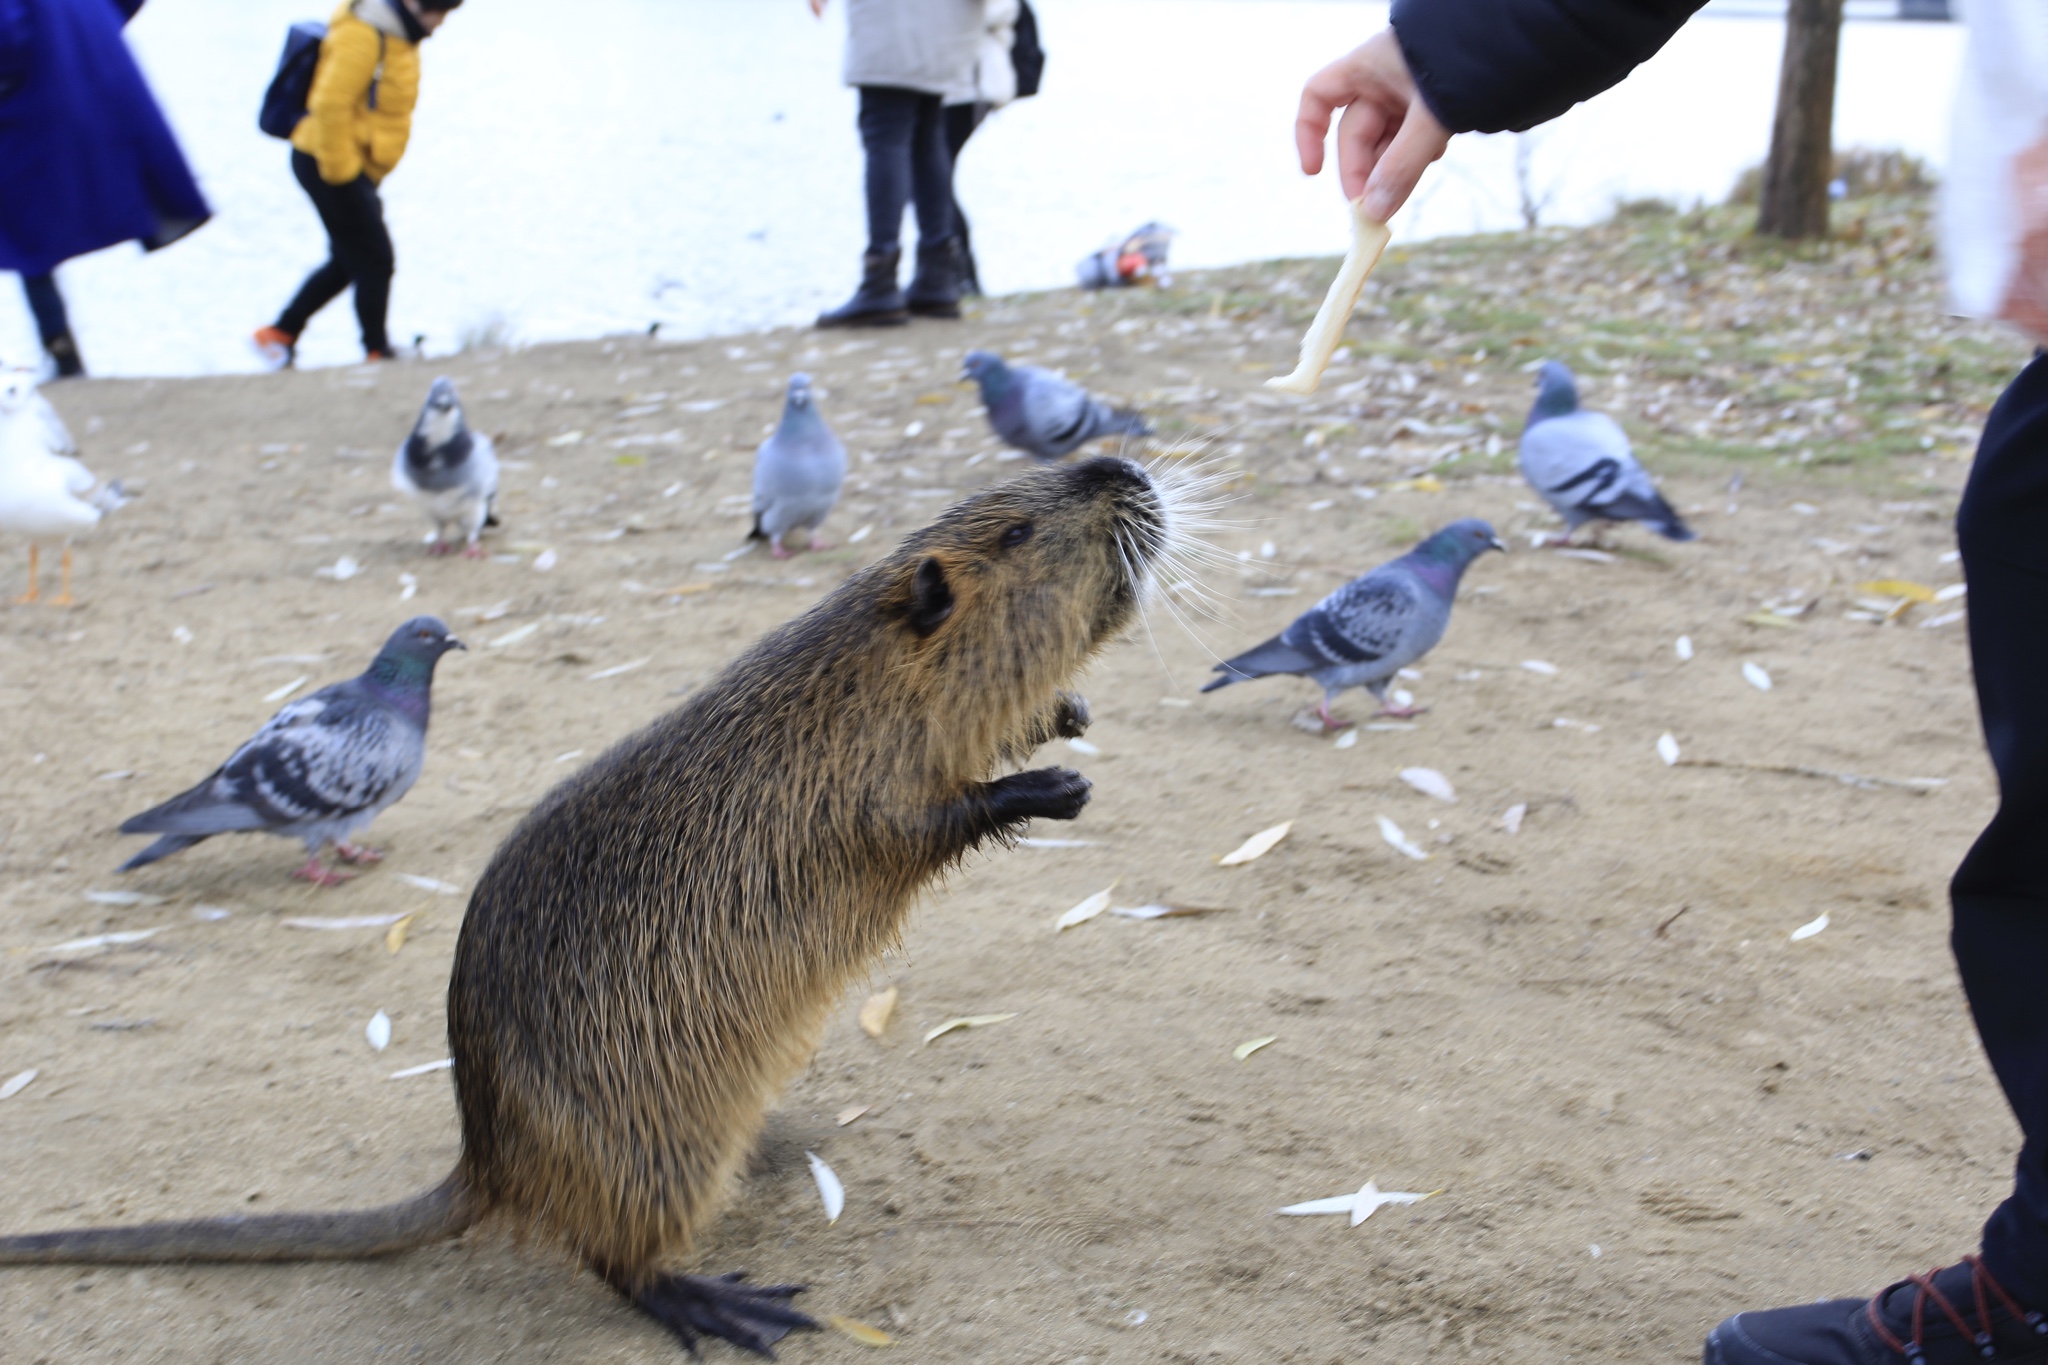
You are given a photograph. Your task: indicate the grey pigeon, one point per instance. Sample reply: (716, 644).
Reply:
(1372, 627)
(450, 471)
(797, 473)
(323, 767)
(1581, 463)
(1041, 413)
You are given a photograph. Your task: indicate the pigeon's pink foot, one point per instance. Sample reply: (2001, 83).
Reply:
(1402, 712)
(320, 876)
(357, 854)
(775, 548)
(1330, 723)
(472, 551)
(823, 545)
(439, 548)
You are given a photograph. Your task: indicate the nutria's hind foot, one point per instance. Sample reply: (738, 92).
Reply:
(751, 1317)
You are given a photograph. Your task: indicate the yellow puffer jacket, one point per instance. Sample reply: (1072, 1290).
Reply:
(359, 112)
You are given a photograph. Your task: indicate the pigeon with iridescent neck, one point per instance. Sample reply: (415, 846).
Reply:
(1581, 463)
(1373, 627)
(323, 767)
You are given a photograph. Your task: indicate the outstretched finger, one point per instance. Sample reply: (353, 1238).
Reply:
(1312, 124)
(1418, 142)
(1362, 138)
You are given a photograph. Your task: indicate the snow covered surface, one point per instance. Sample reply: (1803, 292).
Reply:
(577, 171)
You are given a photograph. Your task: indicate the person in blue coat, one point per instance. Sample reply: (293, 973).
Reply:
(86, 158)
(1449, 66)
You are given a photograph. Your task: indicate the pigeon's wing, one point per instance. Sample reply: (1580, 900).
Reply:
(1577, 460)
(1057, 412)
(334, 754)
(1365, 621)
(483, 466)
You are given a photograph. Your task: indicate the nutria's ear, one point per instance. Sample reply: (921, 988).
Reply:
(931, 600)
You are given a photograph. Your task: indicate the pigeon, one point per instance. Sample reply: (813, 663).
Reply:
(451, 471)
(45, 493)
(797, 473)
(1042, 413)
(1372, 627)
(1581, 463)
(323, 767)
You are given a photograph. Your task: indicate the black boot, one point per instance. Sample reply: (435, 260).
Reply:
(878, 302)
(935, 288)
(64, 351)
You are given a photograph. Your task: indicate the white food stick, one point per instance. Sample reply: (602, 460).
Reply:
(1369, 238)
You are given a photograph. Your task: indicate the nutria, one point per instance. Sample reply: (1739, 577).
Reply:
(652, 953)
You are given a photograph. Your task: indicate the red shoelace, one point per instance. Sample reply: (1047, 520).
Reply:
(1981, 1280)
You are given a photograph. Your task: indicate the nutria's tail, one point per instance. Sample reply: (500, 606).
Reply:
(430, 1216)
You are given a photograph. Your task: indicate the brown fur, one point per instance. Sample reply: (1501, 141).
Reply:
(651, 955)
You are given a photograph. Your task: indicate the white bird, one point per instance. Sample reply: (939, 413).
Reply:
(45, 493)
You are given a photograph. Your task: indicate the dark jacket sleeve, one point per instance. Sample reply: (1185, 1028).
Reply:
(1492, 65)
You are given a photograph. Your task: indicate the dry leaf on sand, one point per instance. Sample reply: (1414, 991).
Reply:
(394, 937)
(1430, 782)
(1399, 841)
(1257, 846)
(1248, 1047)
(859, 1331)
(1511, 818)
(829, 1188)
(967, 1021)
(1085, 911)
(874, 1014)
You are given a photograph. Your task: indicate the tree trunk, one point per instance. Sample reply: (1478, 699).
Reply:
(1794, 201)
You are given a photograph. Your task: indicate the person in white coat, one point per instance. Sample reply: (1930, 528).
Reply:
(908, 59)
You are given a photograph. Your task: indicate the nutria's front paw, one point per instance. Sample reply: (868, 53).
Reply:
(1041, 794)
(1070, 716)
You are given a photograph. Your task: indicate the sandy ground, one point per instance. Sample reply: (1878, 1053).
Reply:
(1644, 1106)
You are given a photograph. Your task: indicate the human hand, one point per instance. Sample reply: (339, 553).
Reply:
(818, 8)
(2026, 297)
(1387, 136)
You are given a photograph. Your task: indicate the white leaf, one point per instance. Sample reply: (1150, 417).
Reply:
(1667, 748)
(1347, 739)
(341, 570)
(1757, 677)
(1398, 841)
(513, 637)
(1951, 592)
(103, 940)
(16, 1083)
(1251, 1045)
(829, 1188)
(615, 670)
(862, 534)
(1257, 846)
(1511, 818)
(341, 921)
(1343, 1203)
(122, 898)
(1369, 1199)
(428, 884)
(545, 560)
(379, 1030)
(408, 587)
(1430, 782)
(1810, 928)
(1085, 911)
(1683, 648)
(423, 1068)
(1548, 670)
(279, 694)
(1082, 746)
(966, 1021)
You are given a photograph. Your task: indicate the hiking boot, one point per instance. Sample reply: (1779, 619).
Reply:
(275, 347)
(1952, 1316)
(878, 302)
(64, 355)
(935, 288)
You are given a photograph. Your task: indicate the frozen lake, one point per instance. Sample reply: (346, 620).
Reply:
(694, 162)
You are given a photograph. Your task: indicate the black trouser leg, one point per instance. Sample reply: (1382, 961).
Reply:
(961, 121)
(46, 301)
(903, 134)
(2000, 892)
(359, 254)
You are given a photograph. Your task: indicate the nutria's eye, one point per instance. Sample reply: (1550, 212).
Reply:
(1016, 535)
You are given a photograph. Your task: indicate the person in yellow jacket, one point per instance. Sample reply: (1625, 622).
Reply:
(358, 120)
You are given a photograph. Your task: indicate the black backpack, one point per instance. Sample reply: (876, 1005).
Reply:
(1025, 53)
(284, 103)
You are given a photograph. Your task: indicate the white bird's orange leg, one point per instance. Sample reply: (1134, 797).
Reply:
(34, 574)
(63, 597)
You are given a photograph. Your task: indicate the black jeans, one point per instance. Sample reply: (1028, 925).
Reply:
(961, 121)
(904, 135)
(358, 253)
(47, 303)
(2000, 893)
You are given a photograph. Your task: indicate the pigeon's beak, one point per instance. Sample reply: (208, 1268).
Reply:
(454, 643)
(1497, 543)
